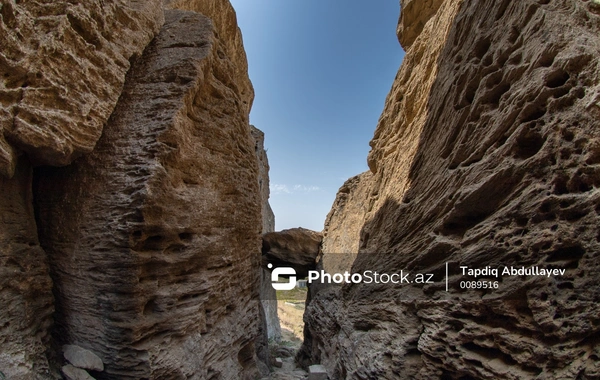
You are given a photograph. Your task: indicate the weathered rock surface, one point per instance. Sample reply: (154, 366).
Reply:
(26, 303)
(295, 247)
(222, 14)
(343, 224)
(62, 68)
(487, 153)
(82, 358)
(154, 237)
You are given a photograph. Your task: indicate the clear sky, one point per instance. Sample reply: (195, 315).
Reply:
(321, 70)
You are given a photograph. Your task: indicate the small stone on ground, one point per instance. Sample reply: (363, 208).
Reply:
(74, 373)
(82, 358)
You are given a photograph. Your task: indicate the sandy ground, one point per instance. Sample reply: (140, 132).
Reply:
(292, 326)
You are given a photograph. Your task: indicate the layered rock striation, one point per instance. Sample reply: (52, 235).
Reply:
(486, 153)
(154, 237)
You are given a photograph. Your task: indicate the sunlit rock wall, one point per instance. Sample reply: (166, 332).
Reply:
(486, 153)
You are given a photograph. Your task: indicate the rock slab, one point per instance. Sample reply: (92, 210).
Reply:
(317, 372)
(294, 247)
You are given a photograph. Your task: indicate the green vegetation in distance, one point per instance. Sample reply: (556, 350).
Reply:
(294, 295)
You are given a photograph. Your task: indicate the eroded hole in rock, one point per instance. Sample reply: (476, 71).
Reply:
(566, 254)
(532, 112)
(529, 142)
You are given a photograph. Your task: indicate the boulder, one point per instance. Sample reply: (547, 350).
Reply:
(296, 247)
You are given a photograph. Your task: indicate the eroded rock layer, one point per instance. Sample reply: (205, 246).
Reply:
(62, 68)
(26, 302)
(487, 153)
(154, 237)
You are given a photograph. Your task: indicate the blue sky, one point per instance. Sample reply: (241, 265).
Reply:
(321, 70)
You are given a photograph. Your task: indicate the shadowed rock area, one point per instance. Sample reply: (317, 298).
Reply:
(486, 154)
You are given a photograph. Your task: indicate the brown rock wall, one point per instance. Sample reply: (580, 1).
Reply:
(26, 302)
(62, 68)
(154, 237)
(485, 154)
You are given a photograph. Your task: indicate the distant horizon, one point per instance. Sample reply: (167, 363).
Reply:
(321, 72)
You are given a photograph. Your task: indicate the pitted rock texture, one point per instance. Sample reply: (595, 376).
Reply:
(486, 154)
(26, 303)
(296, 247)
(62, 68)
(154, 237)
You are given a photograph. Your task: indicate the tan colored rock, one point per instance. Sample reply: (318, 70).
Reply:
(26, 302)
(414, 16)
(154, 237)
(486, 153)
(268, 296)
(225, 21)
(62, 68)
(341, 235)
(263, 180)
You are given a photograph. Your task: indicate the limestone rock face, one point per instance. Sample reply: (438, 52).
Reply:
(154, 237)
(343, 224)
(26, 303)
(486, 153)
(295, 247)
(62, 68)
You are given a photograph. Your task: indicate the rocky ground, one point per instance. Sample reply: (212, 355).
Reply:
(292, 325)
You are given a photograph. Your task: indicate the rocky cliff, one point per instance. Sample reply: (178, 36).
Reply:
(62, 69)
(151, 233)
(486, 153)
